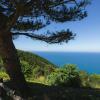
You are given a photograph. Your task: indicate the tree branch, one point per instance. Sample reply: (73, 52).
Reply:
(33, 36)
(59, 37)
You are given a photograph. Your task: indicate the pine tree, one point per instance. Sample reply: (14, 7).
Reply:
(18, 17)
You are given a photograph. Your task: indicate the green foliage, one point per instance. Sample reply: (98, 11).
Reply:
(37, 71)
(33, 59)
(85, 78)
(72, 75)
(95, 80)
(4, 75)
(66, 76)
(90, 80)
(55, 78)
(42, 71)
(34, 66)
(26, 69)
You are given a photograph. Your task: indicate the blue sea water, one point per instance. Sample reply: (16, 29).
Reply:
(89, 62)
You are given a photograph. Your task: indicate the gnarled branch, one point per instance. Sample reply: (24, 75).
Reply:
(58, 37)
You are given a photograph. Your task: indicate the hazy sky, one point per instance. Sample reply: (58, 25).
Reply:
(86, 40)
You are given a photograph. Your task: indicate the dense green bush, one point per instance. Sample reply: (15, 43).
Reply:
(68, 75)
(73, 77)
(55, 78)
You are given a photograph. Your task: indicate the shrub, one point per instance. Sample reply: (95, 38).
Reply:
(55, 78)
(73, 77)
(68, 75)
(26, 69)
(85, 78)
(38, 71)
(95, 80)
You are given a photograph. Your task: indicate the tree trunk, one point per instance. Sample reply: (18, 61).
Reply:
(11, 61)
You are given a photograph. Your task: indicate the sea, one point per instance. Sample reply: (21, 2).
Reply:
(85, 61)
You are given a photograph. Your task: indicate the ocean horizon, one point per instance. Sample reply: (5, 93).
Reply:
(87, 61)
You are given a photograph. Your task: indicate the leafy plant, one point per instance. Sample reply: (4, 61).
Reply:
(85, 78)
(95, 80)
(4, 75)
(68, 75)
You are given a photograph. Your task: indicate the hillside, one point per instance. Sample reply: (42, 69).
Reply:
(33, 66)
(32, 59)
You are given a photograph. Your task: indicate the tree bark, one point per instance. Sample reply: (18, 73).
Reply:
(11, 61)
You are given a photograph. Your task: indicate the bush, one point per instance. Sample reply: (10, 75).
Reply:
(85, 78)
(55, 78)
(95, 81)
(26, 69)
(73, 77)
(68, 75)
(38, 71)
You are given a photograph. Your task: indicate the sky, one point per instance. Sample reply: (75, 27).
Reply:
(87, 34)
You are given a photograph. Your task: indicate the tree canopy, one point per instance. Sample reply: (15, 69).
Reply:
(21, 16)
